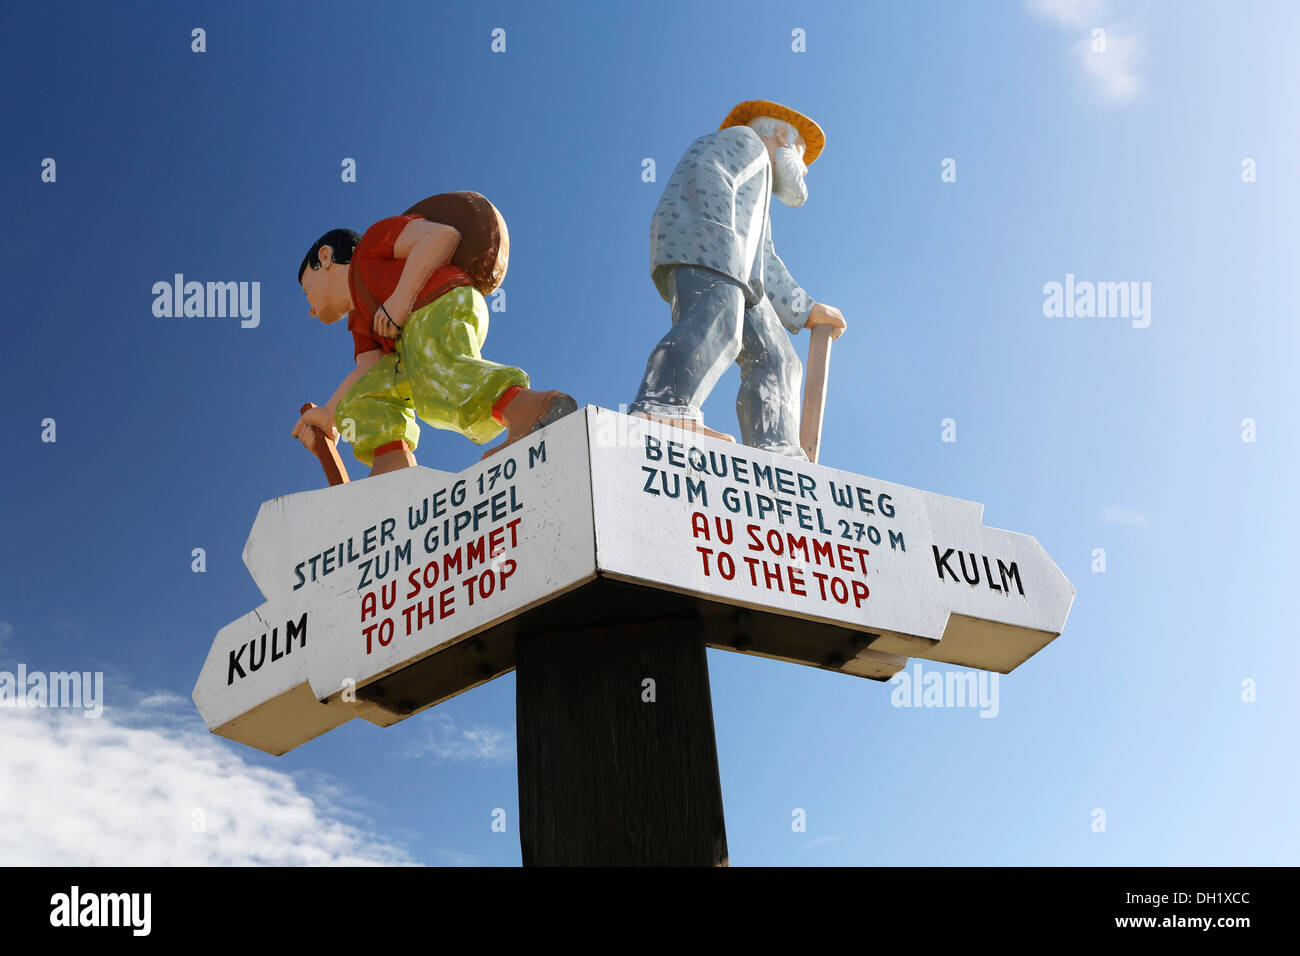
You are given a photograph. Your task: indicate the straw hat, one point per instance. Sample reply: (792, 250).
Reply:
(742, 113)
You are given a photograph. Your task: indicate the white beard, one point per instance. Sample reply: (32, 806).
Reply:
(787, 177)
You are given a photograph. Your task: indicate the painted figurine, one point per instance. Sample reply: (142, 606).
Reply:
(412, 289)
(712, 260)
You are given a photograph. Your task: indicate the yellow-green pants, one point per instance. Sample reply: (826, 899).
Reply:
(436, 372)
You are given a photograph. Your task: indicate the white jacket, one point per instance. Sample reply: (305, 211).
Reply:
(714, 213)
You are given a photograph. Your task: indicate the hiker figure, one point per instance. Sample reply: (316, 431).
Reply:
(412, 289)
(712, 260)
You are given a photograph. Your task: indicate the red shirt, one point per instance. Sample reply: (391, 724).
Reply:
(373, 261)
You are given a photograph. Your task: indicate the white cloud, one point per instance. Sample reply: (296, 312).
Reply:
(444, 740)
(1112, 62)
(1114, 74)
(133, 787)
(1117, 514)
(1067, 13)
(819, 841)
(456, 858)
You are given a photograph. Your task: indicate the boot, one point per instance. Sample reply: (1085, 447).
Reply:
(528, 410)
(686, 424)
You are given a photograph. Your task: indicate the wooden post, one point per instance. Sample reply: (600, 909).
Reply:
(814, 391)
(614, 770)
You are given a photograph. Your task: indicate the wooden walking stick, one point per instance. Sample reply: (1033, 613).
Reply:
(323, 447)
(814, 391)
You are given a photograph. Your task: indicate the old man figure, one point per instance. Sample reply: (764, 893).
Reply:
(711, 258)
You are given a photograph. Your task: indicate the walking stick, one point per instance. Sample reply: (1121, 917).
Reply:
(323, 447)
(814, 391)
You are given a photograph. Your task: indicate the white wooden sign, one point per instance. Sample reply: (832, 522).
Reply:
(365, 579)
(369, 576)
(718, 519)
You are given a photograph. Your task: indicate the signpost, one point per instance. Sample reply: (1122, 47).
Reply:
(599, 557)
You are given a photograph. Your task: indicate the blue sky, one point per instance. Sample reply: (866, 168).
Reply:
(1123, 165)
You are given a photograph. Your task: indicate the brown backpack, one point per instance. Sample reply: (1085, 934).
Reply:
(484, 250)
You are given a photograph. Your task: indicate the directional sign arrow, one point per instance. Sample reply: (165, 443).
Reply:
(390, 594)
(917, 570)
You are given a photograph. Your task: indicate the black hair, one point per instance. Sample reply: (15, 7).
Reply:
(342, 241)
